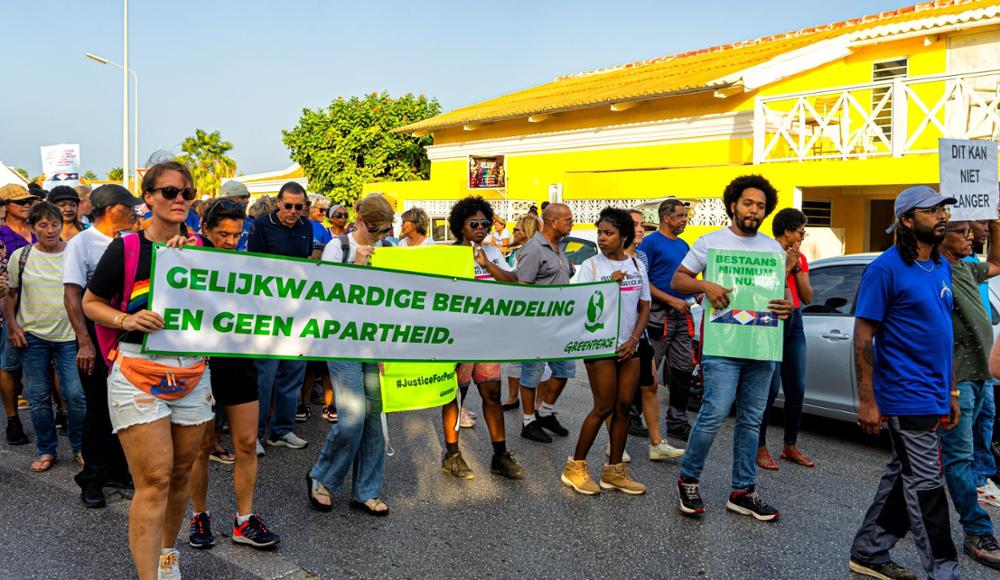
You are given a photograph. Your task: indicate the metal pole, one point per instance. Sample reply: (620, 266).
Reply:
(135, 125)
(125, 167)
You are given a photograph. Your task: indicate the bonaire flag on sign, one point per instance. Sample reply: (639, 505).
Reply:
(745, 317)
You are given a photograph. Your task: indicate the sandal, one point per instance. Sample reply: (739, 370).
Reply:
(765, 461)
(42, 464)
(222, 456)
(78, 457)
(315, 489)
(795, 456)
(515, 404)
(370, 506)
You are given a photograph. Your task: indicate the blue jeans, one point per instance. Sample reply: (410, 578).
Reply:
(280, 380)
(531, 372)
(727, 380)
(984, 463)
(37, 360)
(957, 454)
(356, 439)
(10, 356)
(790, 376)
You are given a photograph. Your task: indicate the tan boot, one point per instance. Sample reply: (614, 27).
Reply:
(616, 477)
(577, 476)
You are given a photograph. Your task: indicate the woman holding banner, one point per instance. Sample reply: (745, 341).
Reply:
(469, 222)
(613, 379)
(159, 405)
(356, 439)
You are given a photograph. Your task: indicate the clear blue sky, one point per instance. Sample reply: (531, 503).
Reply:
(248, 68)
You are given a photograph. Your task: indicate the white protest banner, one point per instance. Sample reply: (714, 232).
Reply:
(61, 165)
(969, 174)
(215, 302)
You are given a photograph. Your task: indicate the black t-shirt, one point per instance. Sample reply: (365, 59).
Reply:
(109, 280)
(231, 372)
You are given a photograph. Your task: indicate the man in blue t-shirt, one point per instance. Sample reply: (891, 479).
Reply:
(903, 342)
(670, 329)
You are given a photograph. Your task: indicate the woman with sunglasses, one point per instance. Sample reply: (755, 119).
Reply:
(234, 387)
(337, 214)
(470, 221)
(613, 379)
(356, 439)
(160, 432)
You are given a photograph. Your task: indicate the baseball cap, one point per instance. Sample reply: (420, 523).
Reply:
(233, 188)
(111, 194)
(917, 197)
(63, 193)
(13, 192)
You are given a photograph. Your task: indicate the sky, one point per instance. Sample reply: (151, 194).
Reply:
(248, 68)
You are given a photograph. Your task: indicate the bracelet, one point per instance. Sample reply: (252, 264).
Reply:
(955, 393)
(120, 320)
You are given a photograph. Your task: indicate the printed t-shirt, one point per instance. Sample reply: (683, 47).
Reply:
(321, 235)
(498, 239)
(914, 341)
(793, 286)
(82, 254)
(108, 280)
(493, 255)
(41, 311)
(665, 256)
(633, 288)
(724, 239)
(973, 331)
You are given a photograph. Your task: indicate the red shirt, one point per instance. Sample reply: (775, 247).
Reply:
(792, 286)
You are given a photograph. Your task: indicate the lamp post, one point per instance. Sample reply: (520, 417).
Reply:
(135, 113)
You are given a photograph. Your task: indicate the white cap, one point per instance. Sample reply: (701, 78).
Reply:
(234, 188)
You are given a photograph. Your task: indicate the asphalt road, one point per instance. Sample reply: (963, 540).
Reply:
(489, 527)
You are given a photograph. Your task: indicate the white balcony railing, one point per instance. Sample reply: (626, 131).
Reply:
(890, 118)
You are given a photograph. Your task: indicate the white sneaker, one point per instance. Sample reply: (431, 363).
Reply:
(663, 451)
(260, 449)
(169, 568)
(989, 494)
(290, 440)
(466, 420)
(626, 458)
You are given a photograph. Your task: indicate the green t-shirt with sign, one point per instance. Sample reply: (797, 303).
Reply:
(971, 323)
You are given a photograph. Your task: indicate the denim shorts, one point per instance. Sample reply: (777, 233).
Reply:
(531, 372)
(10, 356)
(129, 405)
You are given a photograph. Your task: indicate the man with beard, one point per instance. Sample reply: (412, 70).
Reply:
(748, 200)
(903, 342)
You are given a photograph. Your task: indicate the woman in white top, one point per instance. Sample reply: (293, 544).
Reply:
(414, 229)
(499, 236)
(613, 379)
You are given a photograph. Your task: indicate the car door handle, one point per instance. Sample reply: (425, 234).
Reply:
(836, 335)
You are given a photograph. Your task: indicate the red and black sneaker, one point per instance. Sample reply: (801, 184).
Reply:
(254, 533)
(690, 496)
(200, 537)
(749, 503)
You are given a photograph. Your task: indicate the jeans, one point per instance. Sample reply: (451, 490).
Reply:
(37, 361)
(728, 380)
(957, 458)
(356, 439)
(984, 464)
(531, 372)
(790, 376)
(280, 380)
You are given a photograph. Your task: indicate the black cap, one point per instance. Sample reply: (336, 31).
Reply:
(63, 193)
(111, 194)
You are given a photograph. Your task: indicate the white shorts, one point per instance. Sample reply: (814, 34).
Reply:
(130, 405)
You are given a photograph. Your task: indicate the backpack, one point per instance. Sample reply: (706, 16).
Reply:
(345, 246)
(108, 338)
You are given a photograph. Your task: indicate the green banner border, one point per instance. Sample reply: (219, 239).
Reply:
(152, 285)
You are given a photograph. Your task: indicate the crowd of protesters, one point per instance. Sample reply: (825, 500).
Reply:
(75, 270)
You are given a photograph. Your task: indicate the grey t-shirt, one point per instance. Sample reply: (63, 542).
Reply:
(539, 263)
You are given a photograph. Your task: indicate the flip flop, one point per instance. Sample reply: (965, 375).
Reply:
(765, 461)
(222, 456)
(316, 489)
(797, 457)
(42, 464)
(368, 506)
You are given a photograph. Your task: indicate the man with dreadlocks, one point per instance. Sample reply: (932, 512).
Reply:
(903, 343)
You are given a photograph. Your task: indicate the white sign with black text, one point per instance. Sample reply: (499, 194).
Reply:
(969, 174)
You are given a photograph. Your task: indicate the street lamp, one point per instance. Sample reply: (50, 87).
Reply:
(135, 116)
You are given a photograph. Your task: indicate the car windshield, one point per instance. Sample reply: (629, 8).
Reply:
(577, 249)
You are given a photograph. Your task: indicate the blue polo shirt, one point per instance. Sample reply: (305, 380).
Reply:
(914, 341)
(665, 256)
(269, 236)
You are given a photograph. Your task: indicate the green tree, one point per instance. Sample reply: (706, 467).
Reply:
(115, 174)
(350, 143)
(22, 172)
(205, 154)
(89, 175)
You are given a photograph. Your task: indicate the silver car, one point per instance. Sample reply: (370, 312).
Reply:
(831, 390)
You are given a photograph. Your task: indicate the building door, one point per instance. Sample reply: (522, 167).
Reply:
(880, 216)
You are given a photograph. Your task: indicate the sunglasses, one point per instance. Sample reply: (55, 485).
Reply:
(226, 204)
(339, 216)
(172, 192)
(24, 201)
(964, 232)
(477, 224)
(295, 206)
(378, 232)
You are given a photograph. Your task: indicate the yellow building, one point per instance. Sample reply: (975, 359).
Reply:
(839, 117)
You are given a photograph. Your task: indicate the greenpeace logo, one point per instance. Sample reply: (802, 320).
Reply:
(422, 381)
(589, 345)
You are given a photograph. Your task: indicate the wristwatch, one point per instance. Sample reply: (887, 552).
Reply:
(796, 270)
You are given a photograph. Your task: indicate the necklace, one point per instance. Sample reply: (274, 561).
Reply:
(931, 269)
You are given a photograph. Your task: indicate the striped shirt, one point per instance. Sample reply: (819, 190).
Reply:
(41, 311)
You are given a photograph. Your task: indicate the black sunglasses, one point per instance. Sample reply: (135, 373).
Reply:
(378, 232)
(339, 215)
(25, 201)
(296, 206)
(224, 203)
(171, 192)
(476, 224)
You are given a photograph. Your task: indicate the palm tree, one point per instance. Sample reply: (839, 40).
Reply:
(205, 155)
(115, 174)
